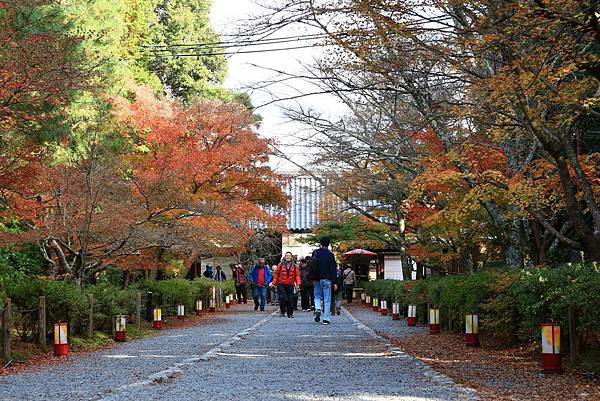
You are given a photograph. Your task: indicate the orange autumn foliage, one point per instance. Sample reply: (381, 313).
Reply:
(171, 177)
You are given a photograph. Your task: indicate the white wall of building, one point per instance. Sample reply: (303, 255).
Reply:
(392, 265)
(289, 243)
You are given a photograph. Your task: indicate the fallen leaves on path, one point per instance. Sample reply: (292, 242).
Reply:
(496, 374)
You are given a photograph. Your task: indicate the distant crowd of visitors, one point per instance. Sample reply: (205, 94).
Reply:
(317, 278)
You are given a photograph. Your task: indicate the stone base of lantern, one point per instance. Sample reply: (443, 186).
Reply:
(434, 329)
(120, 336)
(551, 363)
(61, 349)
(472, 340)
(383, 312)
(198, 313)
(181, 317)
(157, 324)
(411, 321)
(395, 316)
(227, 306)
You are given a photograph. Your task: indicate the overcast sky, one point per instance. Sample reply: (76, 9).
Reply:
(242, 73)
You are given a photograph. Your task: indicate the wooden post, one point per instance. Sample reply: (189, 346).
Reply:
(573, 336)
(149, 307)
(42, 324)
(6, 329)
(138, 309)
(91, 316)
(449, 319)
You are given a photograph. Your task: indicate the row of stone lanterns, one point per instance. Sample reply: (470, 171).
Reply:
(157, 322)
(550, 332)
(61, 343)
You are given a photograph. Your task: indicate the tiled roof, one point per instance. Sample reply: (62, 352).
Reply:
(306, 194)
(306, 198)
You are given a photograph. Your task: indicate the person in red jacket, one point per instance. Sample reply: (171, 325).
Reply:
(287, 280)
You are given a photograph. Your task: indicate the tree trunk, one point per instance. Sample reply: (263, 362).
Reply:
(158, 254)
(420, 269)
(126, 279)
(406, 267)
(513, 253)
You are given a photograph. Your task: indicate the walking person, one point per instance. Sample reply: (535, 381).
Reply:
(338, 291)
(220, 274)
(208, 273)
(349, 283)
(307, 290)
(273, 289)
(326, 270)
(287, 279)
(239, 278)
(260, 277)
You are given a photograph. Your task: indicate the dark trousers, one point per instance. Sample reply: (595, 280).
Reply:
(285, 293)
(240, 290)
(348, 291)
(308, 297)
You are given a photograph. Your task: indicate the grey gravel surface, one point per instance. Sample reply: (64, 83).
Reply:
(395, 328)
(94, 375)
(249, 357)
(297, 359)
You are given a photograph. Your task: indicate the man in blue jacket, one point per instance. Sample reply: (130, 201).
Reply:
(260, 277)
(325, 260)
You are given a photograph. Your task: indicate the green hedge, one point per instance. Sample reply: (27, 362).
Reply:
(67, 302)
(512, 303)
(172, 292)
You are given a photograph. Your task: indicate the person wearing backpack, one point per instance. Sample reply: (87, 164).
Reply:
(307, 292)
(323, 268)
(337, 292)
(349, 282)
(287, 278)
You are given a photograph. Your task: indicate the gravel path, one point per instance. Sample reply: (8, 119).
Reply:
(246, 356)
(93, 375)
(384, 324)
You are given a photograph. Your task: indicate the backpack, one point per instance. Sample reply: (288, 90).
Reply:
(345, 277)
(313, 269)
(339, 279)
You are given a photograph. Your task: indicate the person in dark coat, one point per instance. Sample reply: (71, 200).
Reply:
(325, 285)
(307, 291)
(208, 273)
(220, 274)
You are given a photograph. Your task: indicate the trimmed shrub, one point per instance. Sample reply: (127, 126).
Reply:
(511, 303)
(65, 302)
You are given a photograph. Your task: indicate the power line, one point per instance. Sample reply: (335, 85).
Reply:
(164, 55)
(241, 43)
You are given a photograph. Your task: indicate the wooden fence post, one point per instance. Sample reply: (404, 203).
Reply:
(573, 336)
(149, 307)
(6, 329)
(91, 316)
(42, 323)
(138, 309)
